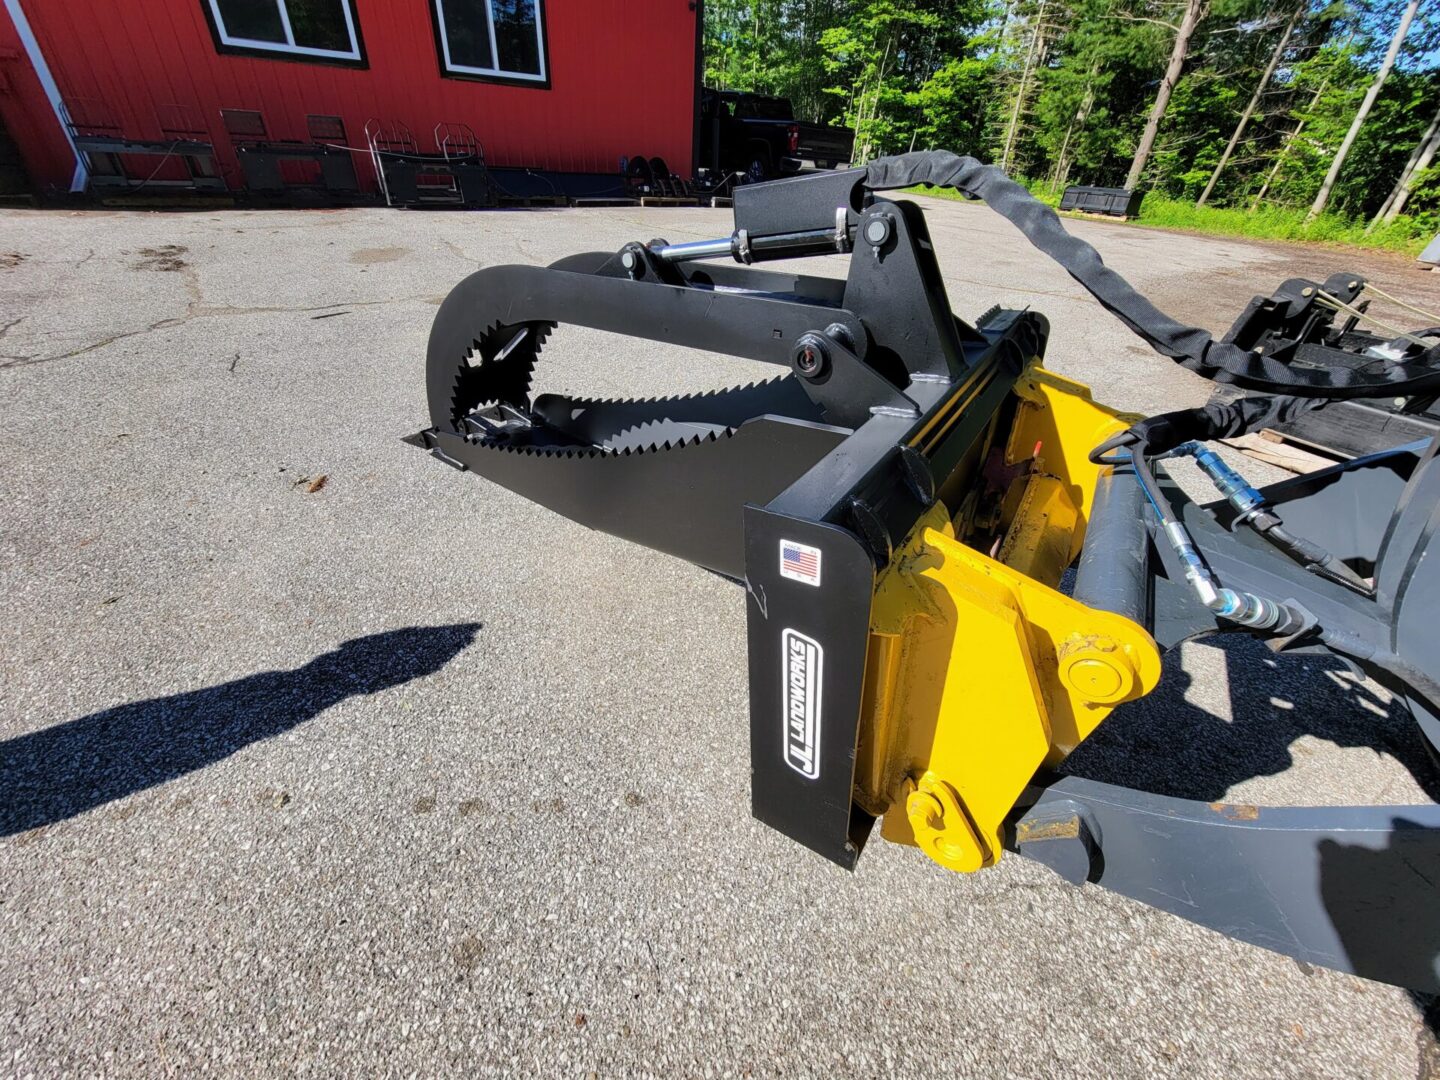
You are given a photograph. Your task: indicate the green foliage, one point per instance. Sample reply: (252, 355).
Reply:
(1269, 223)
(1281, 223)
(946, 105)
(1060, 91)
(900, 67)
(1424, 202)
(771, 47)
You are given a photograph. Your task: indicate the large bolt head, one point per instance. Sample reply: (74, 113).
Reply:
(924, 809)
(1096, 680)
(877, 231)
(811, 355)
(1098, 670)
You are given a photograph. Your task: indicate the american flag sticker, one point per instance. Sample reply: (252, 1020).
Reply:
(800, 562)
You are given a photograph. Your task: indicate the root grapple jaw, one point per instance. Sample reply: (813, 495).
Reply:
(675, 474)
(671, 474)
(901, 501)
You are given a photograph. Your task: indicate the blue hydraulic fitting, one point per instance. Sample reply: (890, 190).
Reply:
(1230, 484)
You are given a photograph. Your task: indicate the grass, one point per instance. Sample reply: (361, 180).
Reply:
(1267, 223)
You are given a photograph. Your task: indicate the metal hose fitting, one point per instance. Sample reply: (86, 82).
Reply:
(1244, 608)
(1227, 481)
(1252, 509)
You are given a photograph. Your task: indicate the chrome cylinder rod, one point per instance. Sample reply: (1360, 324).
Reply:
(746, 249)
(695, 249)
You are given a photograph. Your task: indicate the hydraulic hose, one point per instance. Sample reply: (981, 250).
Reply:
(1253, 512)
(1244, 608)
(1191, 346)
(1307, 553)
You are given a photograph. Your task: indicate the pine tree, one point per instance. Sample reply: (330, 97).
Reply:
(1195, 10)
(1245, 116)
(1322, 197)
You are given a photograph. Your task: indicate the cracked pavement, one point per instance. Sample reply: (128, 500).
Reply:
(317, 758)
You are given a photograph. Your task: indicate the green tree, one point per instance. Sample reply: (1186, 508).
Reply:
(1261, 97)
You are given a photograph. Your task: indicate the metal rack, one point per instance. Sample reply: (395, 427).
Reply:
(453, 175)
(276, 166)
(99, 136)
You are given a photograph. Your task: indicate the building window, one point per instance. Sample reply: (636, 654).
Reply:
(492, 39)
(303, 29)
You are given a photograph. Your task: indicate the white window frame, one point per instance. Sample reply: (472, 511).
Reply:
(452, 68)
(288, 46)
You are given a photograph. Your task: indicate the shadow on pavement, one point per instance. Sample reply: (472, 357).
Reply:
(1168, 745)
(54, 774)
(1394, 932)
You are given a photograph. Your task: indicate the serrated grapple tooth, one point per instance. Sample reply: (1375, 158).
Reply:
(497, 367)
(619, 423)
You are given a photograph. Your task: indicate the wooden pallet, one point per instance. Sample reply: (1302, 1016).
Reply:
(1280, 450)
(669, 200)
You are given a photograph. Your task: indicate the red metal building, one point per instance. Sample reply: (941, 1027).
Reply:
(563, 85)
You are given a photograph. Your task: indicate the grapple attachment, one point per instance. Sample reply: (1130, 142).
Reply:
(675, 474)
(901, 502)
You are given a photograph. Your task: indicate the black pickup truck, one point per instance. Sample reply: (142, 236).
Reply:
(760, 137)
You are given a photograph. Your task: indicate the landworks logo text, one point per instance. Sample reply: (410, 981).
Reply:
(803, 662)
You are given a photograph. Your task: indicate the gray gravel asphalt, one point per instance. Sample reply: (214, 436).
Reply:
(317, 758)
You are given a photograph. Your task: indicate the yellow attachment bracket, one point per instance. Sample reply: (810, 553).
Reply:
(979, 671)
(1058, 424)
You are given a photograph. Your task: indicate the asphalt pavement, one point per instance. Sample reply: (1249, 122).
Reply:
(319, 759)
